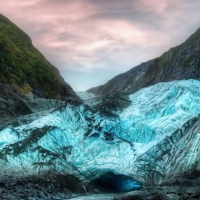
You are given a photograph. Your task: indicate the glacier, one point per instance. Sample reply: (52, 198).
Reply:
(156, 135)
(85, 95)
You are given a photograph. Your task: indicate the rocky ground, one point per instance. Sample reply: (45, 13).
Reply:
(57, 186)
(49, 186)
(181, 187)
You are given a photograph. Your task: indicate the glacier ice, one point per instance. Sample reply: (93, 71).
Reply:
(158, 131)
(85, 95)
(110, 181)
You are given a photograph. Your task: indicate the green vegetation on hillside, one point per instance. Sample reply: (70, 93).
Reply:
(180, 62)
(24, 65)
(190, 43)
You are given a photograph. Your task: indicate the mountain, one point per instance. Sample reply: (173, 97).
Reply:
(26, 76)
(24, 70)
(56, 144)
(155, 131)
(180, 62)
(129, 82)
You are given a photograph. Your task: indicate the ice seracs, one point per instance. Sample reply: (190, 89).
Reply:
(81, 141)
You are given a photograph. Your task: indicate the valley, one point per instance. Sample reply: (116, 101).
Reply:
(136, 137)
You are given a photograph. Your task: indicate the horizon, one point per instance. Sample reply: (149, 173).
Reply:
(86, 40)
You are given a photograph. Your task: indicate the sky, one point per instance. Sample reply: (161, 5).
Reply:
(91, 41)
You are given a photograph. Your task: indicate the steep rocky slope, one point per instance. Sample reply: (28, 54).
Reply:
(24, 70)
(25, 76)
(152, 135)
(181, 62)
(128, 82)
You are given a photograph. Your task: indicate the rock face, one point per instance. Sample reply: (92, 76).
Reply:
(128, 82)
(181, 62)
(48, 186)
(182, 186)
(10, 104)
(26, 77)
(15, 109)
(25, 71)
(151, 136)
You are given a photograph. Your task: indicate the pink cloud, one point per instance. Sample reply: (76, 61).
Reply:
(90, 35)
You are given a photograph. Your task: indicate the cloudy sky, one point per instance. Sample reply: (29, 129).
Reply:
(91, 41)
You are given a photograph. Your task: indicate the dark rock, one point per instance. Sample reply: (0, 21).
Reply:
(173, 196)
(31, 198)
(71, 183)
(14, 107)
(112, 103)
(26, 69)
(11, 104)
(143, 195)
(169, 189)
(194, 192)
(41, 194)
(181, 62)
(46, 186)
(128, 82)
